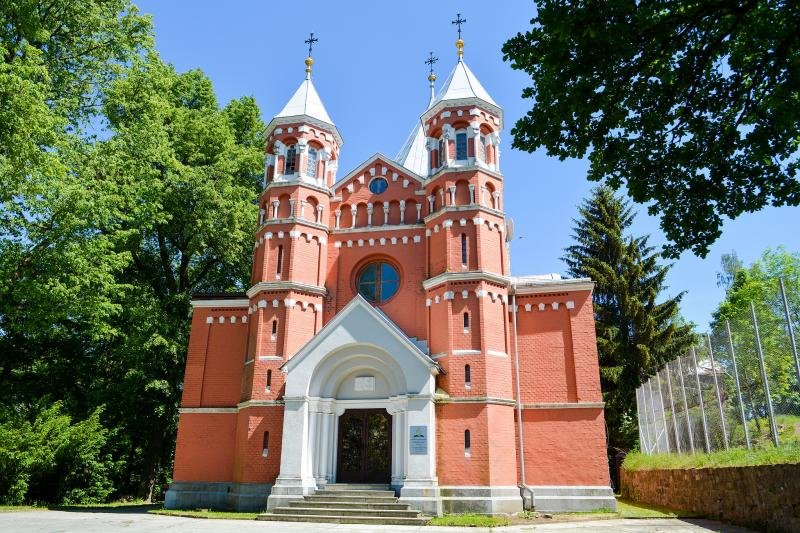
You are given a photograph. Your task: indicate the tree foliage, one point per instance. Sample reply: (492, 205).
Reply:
(693, 105)
(635, 332)
(104, 238)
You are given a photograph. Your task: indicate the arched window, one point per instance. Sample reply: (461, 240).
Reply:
(265, 447)
(311, 166)
(467, 444)
(378, 281)
(291, 160)
(279, 261)
(467, 377)
(466, 321)
(441, 153)
(461, 146)
(463, 248)
(269, 380)
(274, 329)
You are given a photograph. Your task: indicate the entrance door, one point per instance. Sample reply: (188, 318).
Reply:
(365, 438)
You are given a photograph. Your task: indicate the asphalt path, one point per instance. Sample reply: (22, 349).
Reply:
(138, 521)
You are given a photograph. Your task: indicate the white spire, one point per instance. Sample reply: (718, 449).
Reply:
(413, 155)
(461, 84)
(306, 101)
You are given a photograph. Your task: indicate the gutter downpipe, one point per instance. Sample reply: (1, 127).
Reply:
(526, 492)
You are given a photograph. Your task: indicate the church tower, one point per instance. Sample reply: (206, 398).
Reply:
(467, 288)
(289, 264)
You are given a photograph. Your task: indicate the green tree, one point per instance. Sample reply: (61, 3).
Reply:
(190, 172)
(759, 284)
(636, 333)
(693, 105)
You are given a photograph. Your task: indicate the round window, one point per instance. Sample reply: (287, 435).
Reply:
(378, 281)
(378, 185)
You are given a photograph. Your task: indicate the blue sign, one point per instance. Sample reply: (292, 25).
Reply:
(418, 440)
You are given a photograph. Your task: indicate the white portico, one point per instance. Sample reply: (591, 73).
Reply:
(359, 364)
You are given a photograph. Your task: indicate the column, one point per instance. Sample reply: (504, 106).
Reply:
(471, 193)
(452, 190)
(353, 211)
(291, 207)
(419, 212)
(431, 199)
(302, 209)
(275, 205)
(369, 214)
(402, 211)
(338, 215)
(319, 214)
(385, 213)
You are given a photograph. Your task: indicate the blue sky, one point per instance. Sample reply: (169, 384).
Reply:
(370, 72)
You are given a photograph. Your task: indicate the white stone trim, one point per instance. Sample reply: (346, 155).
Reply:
(496, 353)
(475, 275)
(466, 352)
(243, 302)
(269, 286)
(565, 405)
(207, 410)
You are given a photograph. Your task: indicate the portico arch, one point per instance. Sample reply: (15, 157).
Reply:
(359, 360)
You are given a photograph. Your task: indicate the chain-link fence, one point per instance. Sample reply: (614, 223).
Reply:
(740, 387)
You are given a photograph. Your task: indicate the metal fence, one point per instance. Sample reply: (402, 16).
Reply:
(740, 387)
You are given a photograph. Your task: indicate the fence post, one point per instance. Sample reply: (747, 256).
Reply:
(738, 386)
(772, 426)
(653, 407)
(674, 414)
(663, 411)
(791, 331)
(716, 388)
(702, 403)
(686, 406)
(639, 419)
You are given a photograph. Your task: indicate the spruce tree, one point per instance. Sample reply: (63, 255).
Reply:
(636, 334)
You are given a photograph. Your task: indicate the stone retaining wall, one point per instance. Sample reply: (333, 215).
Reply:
(762, 497)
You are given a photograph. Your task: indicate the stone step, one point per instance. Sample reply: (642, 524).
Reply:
(374, 520)
(357, 492)
(339, 504)
(313, 511)
(355, 486)
(318, 497)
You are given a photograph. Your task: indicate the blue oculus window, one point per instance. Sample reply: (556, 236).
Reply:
(378, 282)
(378, 185)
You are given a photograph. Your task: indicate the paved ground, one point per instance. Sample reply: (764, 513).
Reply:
(102, 522)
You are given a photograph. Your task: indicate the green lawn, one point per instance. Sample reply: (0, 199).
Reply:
(205, 513)
(469, 520)
(770, 455)
(629, 509)
(17, 508)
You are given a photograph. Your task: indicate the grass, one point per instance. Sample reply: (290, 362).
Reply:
(469, 520)
(629, 509)
(205, 513)
(18, 508)
(788, 454)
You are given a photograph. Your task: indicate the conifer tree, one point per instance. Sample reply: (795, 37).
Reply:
(636, 333)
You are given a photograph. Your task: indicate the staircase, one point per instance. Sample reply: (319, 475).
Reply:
(349, 504)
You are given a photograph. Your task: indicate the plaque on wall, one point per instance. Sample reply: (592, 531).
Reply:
(418, 440)
(364, 384)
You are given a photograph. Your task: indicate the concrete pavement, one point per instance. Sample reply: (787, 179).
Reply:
(139, 522)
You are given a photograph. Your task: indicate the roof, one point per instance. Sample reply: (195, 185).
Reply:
(461, 84)
(414, 155)
(305, 101)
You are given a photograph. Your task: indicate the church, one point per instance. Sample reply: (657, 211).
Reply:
(383, 341)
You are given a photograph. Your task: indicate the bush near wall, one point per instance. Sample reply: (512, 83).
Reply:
(766, 497)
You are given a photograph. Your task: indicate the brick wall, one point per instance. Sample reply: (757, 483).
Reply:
(762, 497)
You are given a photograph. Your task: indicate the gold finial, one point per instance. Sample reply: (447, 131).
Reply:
(309, 61)
(459, 43)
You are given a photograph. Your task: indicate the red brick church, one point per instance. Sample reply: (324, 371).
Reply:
(383, 339)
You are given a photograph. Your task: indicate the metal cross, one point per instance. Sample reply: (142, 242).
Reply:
(431, 60)
(459, 21)
(310, 42)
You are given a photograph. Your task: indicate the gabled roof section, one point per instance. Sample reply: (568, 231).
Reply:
(360, 309)
(462, 84)
(306, 101)
(376, 157)
(414, 155)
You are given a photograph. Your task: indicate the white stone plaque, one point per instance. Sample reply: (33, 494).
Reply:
(364, 384)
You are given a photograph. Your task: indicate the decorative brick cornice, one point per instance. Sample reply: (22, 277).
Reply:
(272, 286)
(470, 275)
